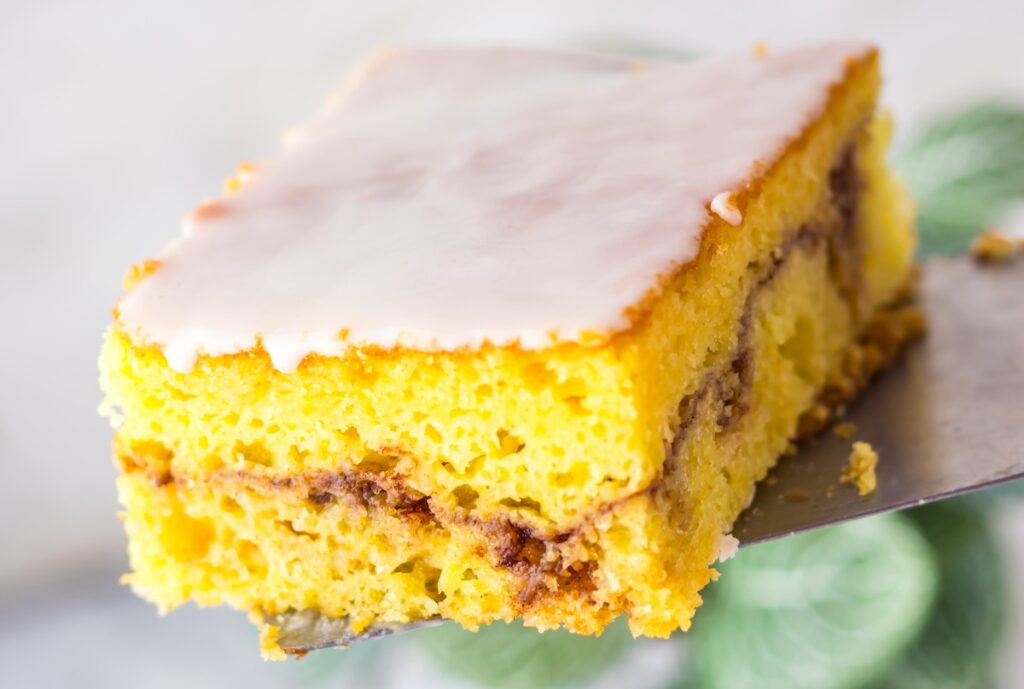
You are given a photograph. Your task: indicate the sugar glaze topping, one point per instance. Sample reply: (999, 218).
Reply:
(452, 198)
(725, 207)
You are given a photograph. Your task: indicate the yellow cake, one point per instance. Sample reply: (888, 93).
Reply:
(502, 334)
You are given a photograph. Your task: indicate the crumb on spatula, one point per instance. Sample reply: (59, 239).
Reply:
(996, 247)
(844, 430)
(860, 469)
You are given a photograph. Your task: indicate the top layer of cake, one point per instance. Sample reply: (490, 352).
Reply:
(450, 198)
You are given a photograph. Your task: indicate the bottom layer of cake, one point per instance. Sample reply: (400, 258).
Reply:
(360, 545)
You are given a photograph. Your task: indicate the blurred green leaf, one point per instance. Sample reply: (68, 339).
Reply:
(511, 656)
(962, 635)
(964, 168)
(688, 679)
(998, 495)
(360, 664)
(832, 609)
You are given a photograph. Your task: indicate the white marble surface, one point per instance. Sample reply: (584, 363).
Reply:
(118, 116)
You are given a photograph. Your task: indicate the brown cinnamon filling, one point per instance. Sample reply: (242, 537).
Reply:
(837, 231)
(844, 249)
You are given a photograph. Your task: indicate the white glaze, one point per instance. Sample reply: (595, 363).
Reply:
(449, 198)
(724, 206)
(728, 546)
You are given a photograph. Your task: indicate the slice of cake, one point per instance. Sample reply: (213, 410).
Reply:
(502, 334)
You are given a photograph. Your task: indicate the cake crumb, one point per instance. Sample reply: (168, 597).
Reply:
(761, 49)
(795, 495)
(242, 175)
(269, 634)
(996, 247)
(771, 481)
(860, 469)
(139, 272)
(845, 430)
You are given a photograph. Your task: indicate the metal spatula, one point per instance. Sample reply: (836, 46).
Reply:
(946, 420)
